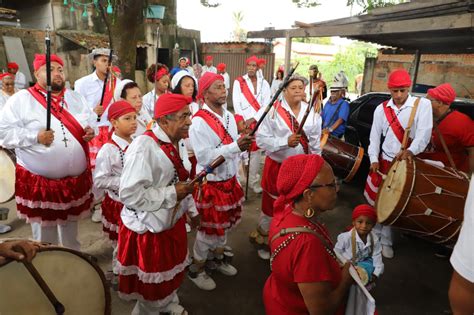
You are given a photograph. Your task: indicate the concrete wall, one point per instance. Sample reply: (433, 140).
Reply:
(36, 16)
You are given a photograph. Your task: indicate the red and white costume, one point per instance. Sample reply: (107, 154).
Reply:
(219, 200)
(53, 183)
(152, 246)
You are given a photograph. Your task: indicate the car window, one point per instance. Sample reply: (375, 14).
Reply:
(366, 111)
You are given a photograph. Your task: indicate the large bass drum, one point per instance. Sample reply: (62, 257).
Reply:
(75, 280)
(7, 175)
(423, 199)
(344, 158)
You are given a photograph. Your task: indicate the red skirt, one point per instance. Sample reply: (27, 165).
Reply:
(52, 201)
(97, 142)
(374, 180)
(151, 266)
(269, 185)
(111, 220)
(220, 205)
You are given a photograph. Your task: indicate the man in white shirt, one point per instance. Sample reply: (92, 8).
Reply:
(53, 177)
(386, 135)
(221, 69)
(8, 88)
(209, 60)
(20, 78)
(250, 94)
(219, 200)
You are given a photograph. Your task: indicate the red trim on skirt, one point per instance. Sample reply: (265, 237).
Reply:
(374, 180)
(41, 199)
(220, 205)
(152, 253)
(97, 142)
(269, 186)
(111, 214)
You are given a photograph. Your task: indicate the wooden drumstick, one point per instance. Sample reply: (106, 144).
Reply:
(381, 174)
(58, 306)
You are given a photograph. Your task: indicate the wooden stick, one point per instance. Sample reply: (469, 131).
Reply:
(208, 169)
(105, 80)
(48, 78)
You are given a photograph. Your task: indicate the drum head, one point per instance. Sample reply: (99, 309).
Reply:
(74, 281)
(7, 177)
(391, 191)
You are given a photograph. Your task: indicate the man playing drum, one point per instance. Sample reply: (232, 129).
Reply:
(53, 177)
(456, 128)
(386, 137)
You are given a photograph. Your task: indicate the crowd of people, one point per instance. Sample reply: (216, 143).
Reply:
(130, 157)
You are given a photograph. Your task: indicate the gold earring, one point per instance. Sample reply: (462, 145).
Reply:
(309, 213)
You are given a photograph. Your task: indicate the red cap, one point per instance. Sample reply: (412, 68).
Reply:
(120, 108)
(170, 103)
(261, 62)
(3, 75)
(40, 60)
(206, 81)
(116, 69)
(399, 78)
(221, 67)
(209, 58)
(364, 210)
(443, 93)
(251, 59)
(12, 65)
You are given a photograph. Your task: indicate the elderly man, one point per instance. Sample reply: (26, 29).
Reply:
(219, 200)
(336, 110)
(152, 246)
(20, 79)
(53, 177)
(386, 136)
(208, 67)
(318, 83)
(8, 88)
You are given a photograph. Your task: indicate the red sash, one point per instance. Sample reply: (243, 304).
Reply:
(61, 114)
(215, 125)
(248, 94)
(393, 121)
(109, 91)
(172, 154)
(292, 124)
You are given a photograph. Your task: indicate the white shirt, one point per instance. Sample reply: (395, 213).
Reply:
(20, 80)
(275, 86)
(262, 95)
(363, 251)
(462, 258)
(226, 81)
(147, 186)
(208, 69)
(4, 98)
(420, 130)
(91, 87)
(109, 165)
(143, 118)
(273, 133)
(23, 117)
(149, 100)
(208, 146)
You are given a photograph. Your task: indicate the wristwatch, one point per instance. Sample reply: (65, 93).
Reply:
(330, 129)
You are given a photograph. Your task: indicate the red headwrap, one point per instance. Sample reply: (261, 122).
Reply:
(209, 58)
(12, 65)
(120, 108)
(295, 176)
(161, 73)
(170, 103)
(206, 81)
(251, 59)
(364, 210)
(40, 60)
(261, 62)
(398, 79)
(221, 67)
(116, 69)
(443, 93)
(3, 75)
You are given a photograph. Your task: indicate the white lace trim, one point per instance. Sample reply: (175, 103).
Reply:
(226, 225)
(220, 208)
(110, 226)
(84, 214)
(137, 296)
(53, 205)
(152, 277)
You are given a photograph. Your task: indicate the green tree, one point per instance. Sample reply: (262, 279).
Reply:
(239, 34)
(369, 5)
(313, 40)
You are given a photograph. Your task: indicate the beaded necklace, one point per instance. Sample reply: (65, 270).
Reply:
(54, 107)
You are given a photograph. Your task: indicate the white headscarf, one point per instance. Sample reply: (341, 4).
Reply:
(179, 75)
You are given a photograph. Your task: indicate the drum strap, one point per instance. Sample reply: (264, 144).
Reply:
(445, 147)
(410, 123)
(354, 244)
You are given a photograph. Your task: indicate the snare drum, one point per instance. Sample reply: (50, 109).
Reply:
(7, 175)
(344, 158)
(423, 199)
(75, 280)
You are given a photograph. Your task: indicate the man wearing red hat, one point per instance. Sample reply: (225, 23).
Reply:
(219, 200)
(208, 67)
(152, 245)
(8, 88)
(386, 136)
(53, 177)
(261, 63)
(20, 79)
(456, 128)
(221, 69)
(250, 94)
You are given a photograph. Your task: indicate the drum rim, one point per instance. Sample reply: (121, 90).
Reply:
(12, 157)
(355, 167)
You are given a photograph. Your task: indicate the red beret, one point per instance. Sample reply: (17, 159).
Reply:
(3, 75)
(40, 60)
(251, 59)
(12, 65)
(364, 210)
(209, 58)
(221, 67)
(120, 108)
(206, 81)
(170, 103)
(443, 93)
(261, 62)
(398, 79)
(116, 69)
(161, 73)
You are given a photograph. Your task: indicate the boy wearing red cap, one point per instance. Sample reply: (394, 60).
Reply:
(20, 78)
(360, 245)
(456, 128)
(110, 160)
(386, 136)
(53, 177)
(208, 66)
(152, 245)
